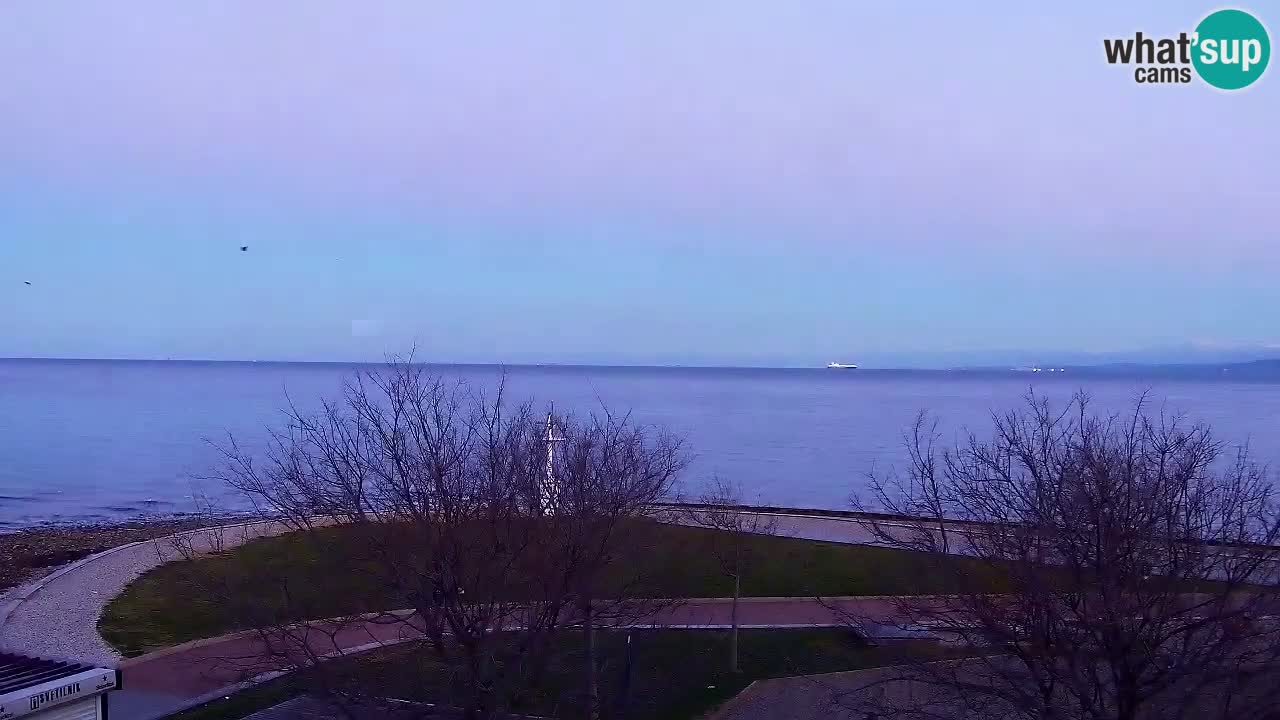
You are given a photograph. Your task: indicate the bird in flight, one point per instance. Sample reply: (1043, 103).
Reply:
(244, 248)
(26, 282)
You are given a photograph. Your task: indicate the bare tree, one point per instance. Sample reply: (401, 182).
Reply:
(606, 474)
(720, 508)
(493, 536)
(1113, 566)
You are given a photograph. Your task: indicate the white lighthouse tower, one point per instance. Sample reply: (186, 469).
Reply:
(549, 489)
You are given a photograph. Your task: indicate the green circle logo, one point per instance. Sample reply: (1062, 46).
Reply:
(1231, 49)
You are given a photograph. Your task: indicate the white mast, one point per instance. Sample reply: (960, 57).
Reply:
(549, 483)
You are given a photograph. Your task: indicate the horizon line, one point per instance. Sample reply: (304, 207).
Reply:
(643, 366)
(435, 362)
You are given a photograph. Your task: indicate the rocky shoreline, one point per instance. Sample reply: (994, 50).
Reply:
(29, 553)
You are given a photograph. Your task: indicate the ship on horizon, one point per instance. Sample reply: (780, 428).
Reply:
(841, 366)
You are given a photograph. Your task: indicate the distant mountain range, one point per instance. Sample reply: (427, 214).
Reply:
(1268, 369)
(1181, 354)
(1255, 370)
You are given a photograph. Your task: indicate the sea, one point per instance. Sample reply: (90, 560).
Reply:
(98, 441)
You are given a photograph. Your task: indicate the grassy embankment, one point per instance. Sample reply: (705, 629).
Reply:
(676, 673)
(172, 604)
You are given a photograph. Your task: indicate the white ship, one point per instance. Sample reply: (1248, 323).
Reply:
(841, 366)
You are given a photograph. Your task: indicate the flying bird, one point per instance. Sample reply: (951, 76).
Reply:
(244, 248)
(26, 282)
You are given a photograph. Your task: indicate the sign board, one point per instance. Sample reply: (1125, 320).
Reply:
(56, 692)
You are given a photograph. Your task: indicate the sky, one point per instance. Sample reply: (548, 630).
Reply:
(651, 182)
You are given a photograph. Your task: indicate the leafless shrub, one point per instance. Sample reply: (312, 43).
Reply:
(182, 545)
(214, 536)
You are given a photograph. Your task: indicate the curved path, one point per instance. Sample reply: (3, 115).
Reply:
(57, 616)
(181, 677)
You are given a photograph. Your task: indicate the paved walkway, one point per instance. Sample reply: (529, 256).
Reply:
(173, 679)
(57, 616)
(810, 526)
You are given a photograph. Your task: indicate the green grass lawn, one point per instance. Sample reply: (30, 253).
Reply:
(675, 673)
(322, 575)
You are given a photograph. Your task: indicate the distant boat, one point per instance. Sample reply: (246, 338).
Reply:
(841, 366)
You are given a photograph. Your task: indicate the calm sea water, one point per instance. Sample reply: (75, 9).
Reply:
(84, 441)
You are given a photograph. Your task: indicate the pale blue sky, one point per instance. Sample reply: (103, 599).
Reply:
(722, 182)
